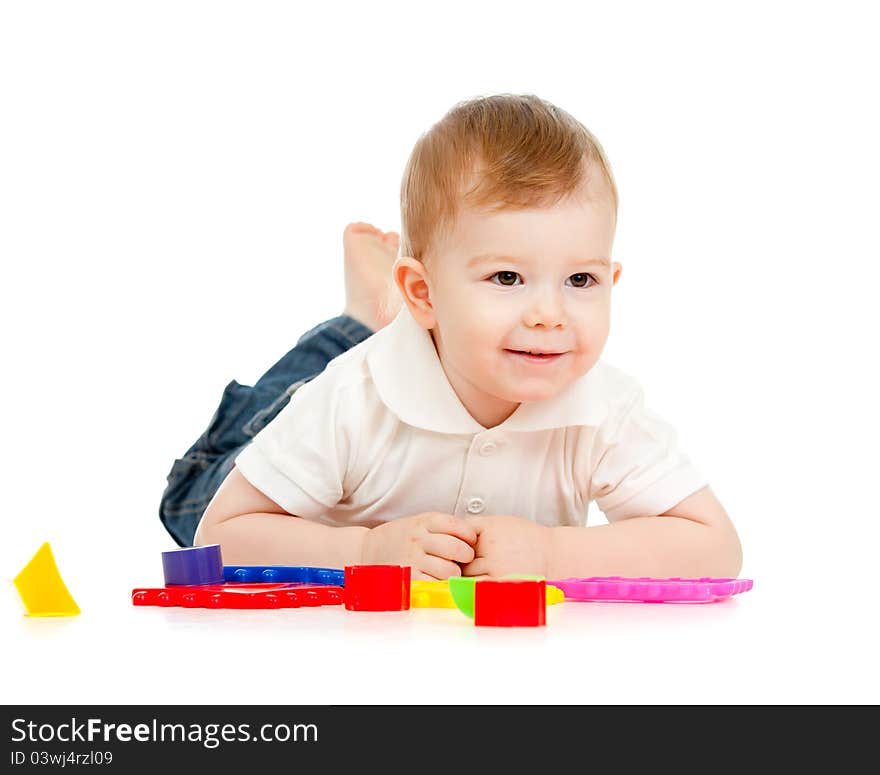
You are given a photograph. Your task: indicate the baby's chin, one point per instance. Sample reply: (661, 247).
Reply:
(529, 393)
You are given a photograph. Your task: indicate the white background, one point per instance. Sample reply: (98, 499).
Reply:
(174, 182)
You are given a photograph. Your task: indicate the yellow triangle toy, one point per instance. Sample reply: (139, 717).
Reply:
(41, 587)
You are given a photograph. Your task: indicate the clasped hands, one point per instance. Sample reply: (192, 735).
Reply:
(437, 545)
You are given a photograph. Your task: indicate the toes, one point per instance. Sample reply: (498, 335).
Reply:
(361, 226)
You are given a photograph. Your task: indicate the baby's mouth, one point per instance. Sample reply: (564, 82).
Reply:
(534, 356)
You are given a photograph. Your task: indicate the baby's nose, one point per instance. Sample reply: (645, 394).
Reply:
(547, 309)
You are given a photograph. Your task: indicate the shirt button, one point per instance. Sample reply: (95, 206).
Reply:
(488, 448)
(475, 505)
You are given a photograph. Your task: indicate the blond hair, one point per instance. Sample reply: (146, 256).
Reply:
(502, 152)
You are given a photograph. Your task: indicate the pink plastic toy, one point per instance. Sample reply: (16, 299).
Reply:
(648, 590)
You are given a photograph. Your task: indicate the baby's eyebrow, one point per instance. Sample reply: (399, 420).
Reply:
(486, 257)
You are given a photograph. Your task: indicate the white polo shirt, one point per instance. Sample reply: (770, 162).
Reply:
(380, 434)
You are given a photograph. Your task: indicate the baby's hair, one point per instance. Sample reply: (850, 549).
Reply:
(501, 152)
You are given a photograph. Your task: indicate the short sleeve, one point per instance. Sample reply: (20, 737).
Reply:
(300, 458)
(640, 470)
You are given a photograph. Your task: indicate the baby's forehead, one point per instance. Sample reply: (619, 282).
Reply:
(567, 225)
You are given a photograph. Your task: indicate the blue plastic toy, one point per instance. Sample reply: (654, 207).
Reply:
(251, 574)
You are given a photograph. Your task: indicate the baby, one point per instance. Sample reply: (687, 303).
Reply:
(469, 434)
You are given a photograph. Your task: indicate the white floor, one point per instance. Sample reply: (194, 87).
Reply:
(778, 643)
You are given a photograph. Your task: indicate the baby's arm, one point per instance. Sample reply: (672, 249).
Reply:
(695, 538)
(254, 530)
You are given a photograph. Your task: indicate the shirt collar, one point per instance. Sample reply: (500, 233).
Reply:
(410, 381)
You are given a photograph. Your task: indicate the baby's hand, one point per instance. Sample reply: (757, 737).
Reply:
(508, 545)
(432, 544)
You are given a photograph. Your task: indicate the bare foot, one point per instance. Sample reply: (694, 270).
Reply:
(370, 293)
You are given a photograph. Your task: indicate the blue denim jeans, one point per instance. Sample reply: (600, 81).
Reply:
(243, 412)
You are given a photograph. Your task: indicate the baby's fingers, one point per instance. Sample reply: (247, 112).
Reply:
(431, 567)
(454, 526)
(479, 567)
(448, 547)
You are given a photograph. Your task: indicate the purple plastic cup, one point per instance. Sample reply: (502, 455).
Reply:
(193, 565)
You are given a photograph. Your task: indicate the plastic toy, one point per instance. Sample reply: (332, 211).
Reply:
(247, 574)
(437, 594)
(650, 590)
(462, 590)
(193, 565)
(431, 594)
(377, 587)
(41, 588)
(240, 596)
(508, 602)
(554, 594)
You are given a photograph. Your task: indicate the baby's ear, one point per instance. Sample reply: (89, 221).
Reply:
(616, 269)
(411, 279)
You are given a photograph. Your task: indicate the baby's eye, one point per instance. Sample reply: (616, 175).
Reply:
(582, 280)
(506, 278)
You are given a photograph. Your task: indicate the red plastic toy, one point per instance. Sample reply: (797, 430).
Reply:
(510, 603)
(377, 587)
(240, 596)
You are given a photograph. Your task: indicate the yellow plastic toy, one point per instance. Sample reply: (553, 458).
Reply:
(554, 595)
(436, 594)
(41, 587)
(430, 594)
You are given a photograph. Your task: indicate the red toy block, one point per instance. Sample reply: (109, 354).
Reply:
(240, 596)
(377, 587)
(510, 603)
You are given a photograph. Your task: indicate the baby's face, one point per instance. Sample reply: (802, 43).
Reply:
(514, 282)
